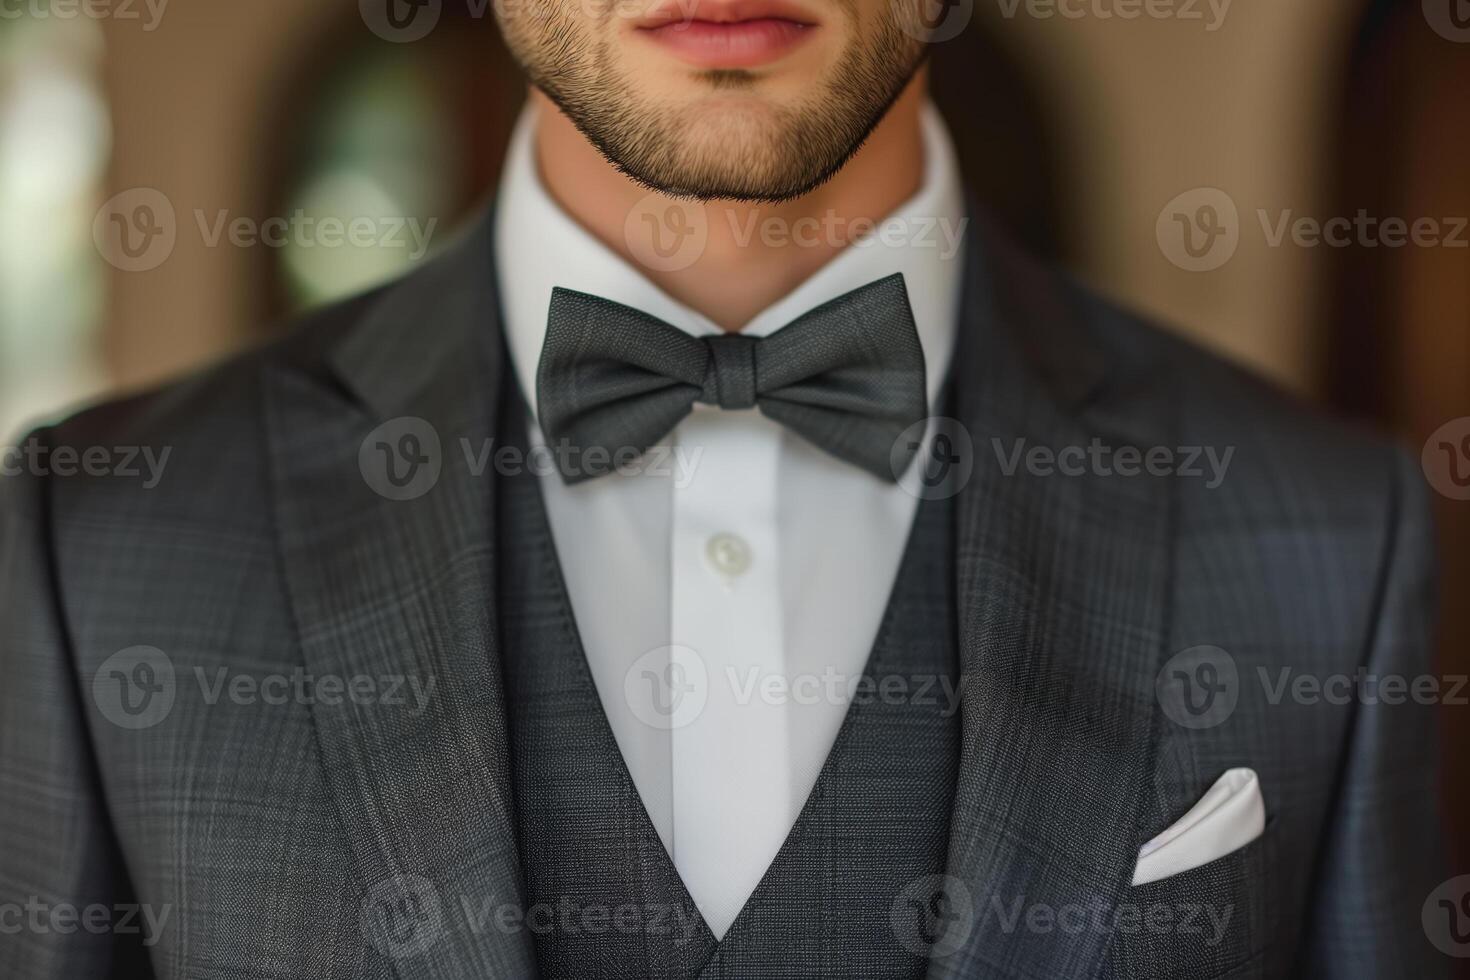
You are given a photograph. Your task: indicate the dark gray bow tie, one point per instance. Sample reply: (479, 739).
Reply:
(848, 376)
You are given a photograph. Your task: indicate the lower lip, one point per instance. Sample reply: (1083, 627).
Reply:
(743, 44)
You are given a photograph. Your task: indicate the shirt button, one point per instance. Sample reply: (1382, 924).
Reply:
(728, 553)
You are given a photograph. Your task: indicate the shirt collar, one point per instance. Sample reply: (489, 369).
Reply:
(538, 247)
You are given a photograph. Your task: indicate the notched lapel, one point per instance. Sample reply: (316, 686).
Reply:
(392, 579)
(1062, 587)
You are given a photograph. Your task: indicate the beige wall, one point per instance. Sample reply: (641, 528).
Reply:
(1152, 108)
(1147, 108)
(190, 102)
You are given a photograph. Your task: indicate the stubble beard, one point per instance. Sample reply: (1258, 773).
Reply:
(759, 153)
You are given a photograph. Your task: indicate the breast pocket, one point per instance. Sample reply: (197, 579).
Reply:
(1205, 923)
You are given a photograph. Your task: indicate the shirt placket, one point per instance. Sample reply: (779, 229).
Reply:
(730, 788)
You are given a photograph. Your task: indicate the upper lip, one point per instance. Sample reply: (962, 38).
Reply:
(666, 12)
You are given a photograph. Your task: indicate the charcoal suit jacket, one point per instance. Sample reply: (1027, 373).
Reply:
(263, 831)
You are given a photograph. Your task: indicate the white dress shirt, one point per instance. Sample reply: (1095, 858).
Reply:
(727, 599)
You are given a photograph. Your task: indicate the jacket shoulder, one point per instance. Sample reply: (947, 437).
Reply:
(1289, 460)
(190, 453)
(221, 395)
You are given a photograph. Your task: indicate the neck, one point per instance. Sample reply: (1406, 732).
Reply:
(754, 254)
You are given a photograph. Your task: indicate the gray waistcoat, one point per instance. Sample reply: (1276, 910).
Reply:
(844, 897)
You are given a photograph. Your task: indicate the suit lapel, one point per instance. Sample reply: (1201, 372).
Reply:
(1062, 626)
(402, 591)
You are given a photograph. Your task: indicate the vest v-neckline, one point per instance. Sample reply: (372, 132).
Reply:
(531, 582)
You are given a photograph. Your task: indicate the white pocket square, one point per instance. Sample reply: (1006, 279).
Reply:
(1228, 817)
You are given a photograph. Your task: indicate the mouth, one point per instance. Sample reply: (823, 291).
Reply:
(726, 34)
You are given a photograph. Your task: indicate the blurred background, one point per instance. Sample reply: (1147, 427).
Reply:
(1175, 154)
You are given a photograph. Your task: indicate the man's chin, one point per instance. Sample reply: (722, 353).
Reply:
(740, 121)
(728, 148)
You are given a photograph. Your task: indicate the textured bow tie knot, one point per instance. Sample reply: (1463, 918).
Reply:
(848, 376)
(729, 378)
